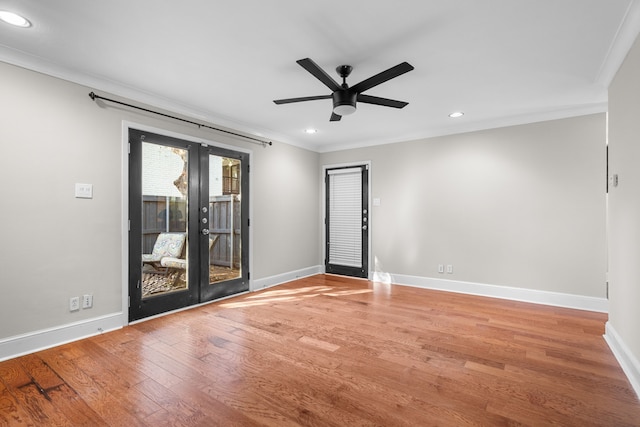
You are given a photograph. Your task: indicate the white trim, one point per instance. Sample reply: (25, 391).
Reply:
(278, 279)
(611, 64)
(473, 126)
(124, 263)
(621, 44)
(99, 83)
(628, 362)
(126, 126)
(32, 342)
(28, 343)
(557, 299)
(323, 208)
(20, 345)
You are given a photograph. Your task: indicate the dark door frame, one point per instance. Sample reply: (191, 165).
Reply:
(188, 299)
(366, 189)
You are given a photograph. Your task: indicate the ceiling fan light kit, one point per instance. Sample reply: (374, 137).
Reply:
(345, 97)
(344, 102)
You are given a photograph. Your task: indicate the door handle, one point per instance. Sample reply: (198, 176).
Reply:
(205, 231)
(364, 227)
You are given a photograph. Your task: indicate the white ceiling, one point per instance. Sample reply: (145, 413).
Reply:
(502, 62)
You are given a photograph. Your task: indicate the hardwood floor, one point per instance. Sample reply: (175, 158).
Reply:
(331, 351)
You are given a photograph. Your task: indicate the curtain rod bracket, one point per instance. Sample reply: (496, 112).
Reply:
(95, 97)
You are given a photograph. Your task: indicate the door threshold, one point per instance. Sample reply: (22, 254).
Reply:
(177, 310)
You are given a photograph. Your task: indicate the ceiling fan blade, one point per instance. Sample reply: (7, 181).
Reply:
(304, 98)
(382, 77)
(319, 73)
(335, 117)
(368, 99)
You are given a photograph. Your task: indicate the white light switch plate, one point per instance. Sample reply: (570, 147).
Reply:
(84, 191)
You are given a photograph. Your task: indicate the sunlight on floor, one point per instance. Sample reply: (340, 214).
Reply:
(288, 295)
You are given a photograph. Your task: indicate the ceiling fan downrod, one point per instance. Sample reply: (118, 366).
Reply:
(344, 71)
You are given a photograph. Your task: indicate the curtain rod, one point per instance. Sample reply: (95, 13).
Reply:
(94, 97)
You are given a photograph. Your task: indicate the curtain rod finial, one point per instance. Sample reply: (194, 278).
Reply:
(92, 96)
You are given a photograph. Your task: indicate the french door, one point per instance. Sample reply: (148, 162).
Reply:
(347, 221)
(188, 233)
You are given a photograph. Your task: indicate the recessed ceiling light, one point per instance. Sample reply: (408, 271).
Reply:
(14, 19)
(456, 114)
(310, 131)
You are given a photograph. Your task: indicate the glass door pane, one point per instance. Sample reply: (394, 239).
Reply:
(188, 221)
(225, 192)
(165, 188)
(163, 224)
(225, 231)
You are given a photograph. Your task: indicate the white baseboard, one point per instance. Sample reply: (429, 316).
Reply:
(279, 279)
(39, 340)
(628, 362)
(20, 345)
(504, 292)
(31, 342)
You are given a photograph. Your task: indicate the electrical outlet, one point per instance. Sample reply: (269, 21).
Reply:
(440, 268)
(87, 301)
(74, 304)
(449, 269)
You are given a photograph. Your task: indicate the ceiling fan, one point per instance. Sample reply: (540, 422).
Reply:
(345, 97)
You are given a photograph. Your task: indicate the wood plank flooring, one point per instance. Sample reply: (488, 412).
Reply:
(331, 351)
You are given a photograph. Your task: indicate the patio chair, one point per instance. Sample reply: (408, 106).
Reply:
(166, 245)
(180, 263)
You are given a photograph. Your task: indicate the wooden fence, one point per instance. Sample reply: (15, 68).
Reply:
(224, 222)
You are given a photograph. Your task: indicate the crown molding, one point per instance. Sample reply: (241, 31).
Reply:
(623, 41)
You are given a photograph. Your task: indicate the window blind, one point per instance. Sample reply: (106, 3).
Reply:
(345, 217)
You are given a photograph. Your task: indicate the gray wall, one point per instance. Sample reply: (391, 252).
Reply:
(522, 206)
(55, 246)
(624, 205)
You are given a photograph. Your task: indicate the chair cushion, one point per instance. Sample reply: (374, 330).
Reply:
(173, 262)
(168, 244)
(150, 258)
